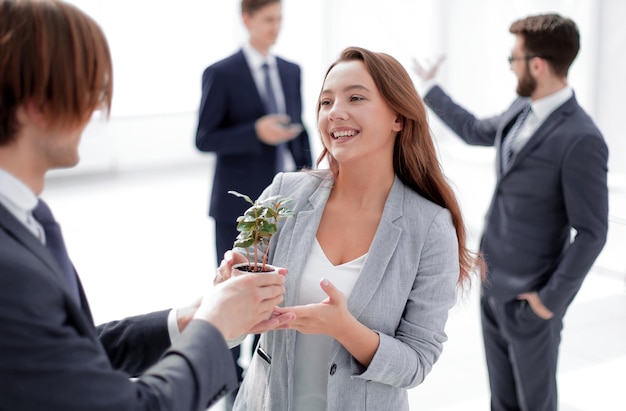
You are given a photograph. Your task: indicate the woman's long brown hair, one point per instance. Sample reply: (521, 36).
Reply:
(415, 160)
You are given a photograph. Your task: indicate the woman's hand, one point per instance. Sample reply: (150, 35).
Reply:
(225, 270)
(329, 317)
(277, 321)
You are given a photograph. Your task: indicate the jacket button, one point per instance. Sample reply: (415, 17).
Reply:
(333, 369)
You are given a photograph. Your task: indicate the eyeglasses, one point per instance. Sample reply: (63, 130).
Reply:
(529, 57)
(512, 59)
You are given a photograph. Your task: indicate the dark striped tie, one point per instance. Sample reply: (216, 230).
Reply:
(271, 106)
(56, 245)
(508, 145)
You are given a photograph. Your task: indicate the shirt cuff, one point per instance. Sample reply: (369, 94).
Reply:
(172, 326)
(236, 341)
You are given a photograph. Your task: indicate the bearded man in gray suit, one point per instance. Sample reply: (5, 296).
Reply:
(548, 217)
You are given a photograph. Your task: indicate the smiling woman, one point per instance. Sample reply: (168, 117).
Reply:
(351, 106)
(376, 252)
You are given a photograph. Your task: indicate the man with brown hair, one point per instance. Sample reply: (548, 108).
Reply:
(55, 70)
(551, 182)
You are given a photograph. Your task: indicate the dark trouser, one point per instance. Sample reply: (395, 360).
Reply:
(225, 234)
(522, 353)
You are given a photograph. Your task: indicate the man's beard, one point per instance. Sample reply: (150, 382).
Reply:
(526, 84)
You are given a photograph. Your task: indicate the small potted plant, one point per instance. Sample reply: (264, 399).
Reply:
(256, 227)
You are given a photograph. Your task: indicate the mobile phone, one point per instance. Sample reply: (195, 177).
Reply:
(296, 127)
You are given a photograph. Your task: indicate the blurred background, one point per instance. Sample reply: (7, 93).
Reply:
(160, 49)
(134, 212)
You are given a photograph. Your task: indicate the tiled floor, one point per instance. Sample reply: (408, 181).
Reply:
(141, 241)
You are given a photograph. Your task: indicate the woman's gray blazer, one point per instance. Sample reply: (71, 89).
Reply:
(404, 292)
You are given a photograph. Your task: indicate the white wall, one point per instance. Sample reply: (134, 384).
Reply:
(160, 50)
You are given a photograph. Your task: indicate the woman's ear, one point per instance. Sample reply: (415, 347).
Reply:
(397, 124)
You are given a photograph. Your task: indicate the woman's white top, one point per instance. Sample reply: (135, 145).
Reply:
(313, 350)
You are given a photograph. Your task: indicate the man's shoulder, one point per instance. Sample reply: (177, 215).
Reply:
(579, 122)
(286, 63)
(226, 64)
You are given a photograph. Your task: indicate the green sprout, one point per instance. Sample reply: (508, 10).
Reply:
(257, 226)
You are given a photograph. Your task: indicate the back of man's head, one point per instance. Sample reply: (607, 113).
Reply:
(551, 37)
(54, 56)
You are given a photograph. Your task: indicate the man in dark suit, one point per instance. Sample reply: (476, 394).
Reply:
(547, 221)
(251, 122)
(56, 70)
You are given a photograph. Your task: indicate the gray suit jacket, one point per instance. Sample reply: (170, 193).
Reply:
(52, 357)
(404, 292)
(557, 182)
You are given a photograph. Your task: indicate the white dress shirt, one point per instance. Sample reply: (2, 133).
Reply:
(313, 350)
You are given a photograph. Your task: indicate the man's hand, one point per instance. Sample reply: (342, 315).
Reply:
(274, 129)
(237, 305)
(276, 321)
(536, 305)
(427, 72)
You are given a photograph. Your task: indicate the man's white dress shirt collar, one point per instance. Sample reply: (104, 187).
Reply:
(16, 197)
(545, 106)
(256, 59)
(255, 62)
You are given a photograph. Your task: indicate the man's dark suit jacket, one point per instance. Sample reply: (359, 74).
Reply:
(53, 358)
(557, 182)
(229, 108)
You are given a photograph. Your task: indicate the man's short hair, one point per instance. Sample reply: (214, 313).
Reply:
(55, 56)
(252, 6)
(550, 36)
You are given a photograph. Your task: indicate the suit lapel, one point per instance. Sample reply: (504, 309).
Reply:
(285, 83)
(16, 230)
(247, 79)
(28, 240)
(507, 123)
(385, 242)
(554, 120)
(383, 245)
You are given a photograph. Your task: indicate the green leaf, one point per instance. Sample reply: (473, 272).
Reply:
(244, 243)
(245, 197)
(258, 223)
